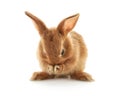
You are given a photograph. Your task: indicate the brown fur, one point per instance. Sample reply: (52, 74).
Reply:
(61, 51)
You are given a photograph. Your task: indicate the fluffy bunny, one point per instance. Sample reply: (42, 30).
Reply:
(61, 51)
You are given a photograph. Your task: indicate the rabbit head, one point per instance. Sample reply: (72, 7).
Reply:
(56, 46)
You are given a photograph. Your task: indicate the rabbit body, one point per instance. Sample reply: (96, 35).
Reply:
(61, 51)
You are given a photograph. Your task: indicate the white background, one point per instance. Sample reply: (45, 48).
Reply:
(99, 24)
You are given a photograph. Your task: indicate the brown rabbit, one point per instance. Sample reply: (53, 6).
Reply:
(61, 51)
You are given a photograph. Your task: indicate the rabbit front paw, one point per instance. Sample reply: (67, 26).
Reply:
(50, 69)
(58, 69)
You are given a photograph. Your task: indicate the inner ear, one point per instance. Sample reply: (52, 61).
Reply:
(68, 24)
(40, 26)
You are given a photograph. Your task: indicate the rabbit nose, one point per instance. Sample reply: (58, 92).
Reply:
(54, 59)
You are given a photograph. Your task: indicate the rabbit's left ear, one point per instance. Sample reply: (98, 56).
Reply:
(67, 24)
(40, 26)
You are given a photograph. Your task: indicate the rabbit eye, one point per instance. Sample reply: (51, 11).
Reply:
(62, 52)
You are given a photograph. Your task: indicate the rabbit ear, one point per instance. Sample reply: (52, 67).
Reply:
(38, 23)
(67, 24)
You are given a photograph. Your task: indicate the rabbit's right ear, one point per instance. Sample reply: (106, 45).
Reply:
(67, 24)
(38, 23)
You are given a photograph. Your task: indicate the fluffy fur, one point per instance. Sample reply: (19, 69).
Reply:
(61, 51)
